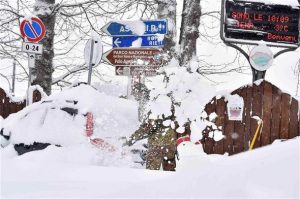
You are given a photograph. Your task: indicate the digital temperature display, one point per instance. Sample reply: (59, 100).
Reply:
(256, 21)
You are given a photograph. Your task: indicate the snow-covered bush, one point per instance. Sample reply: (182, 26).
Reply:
(188, 91)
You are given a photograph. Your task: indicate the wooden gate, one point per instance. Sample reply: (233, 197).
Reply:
(8, 105)
(278, 110)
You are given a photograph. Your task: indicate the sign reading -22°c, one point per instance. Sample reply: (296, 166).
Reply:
(131, 28)
(250, 22)
(32, 29)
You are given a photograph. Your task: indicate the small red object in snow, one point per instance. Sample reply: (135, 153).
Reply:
(89, 124)
(97, 142)
(183, 139)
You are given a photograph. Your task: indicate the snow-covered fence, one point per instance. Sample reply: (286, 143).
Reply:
(10, 104)
(279, 112)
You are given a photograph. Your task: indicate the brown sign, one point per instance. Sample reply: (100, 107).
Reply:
(134, 57)
(130, 71)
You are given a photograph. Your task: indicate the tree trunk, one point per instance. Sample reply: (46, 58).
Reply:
(189, 30)
(42, 73)
(167, 10)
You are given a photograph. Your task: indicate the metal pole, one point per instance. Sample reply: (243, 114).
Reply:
(13, 77)
(31, 63)
(90, 62)
(29, 84)
(129, 87)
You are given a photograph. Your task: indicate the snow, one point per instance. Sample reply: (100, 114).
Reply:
(269, 172)
(137, 27)
(294, 3)
(137, 43)
(47, 120)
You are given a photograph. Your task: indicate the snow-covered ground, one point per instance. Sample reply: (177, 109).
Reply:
(269, 172)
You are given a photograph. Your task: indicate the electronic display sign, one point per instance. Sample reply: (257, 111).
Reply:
(251, 22)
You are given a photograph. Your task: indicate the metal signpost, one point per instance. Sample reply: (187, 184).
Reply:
(258, 23)
(136, 54)
(92, 54)
(32, 30)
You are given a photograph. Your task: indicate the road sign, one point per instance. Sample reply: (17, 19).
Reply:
(130, 71)
(134, 57)
(131, 28)
(96, 50)
(139, 41)
(250, 22)
(33, 29)
(31, 60)
(261, 58)
(92, 54)
(32, 48)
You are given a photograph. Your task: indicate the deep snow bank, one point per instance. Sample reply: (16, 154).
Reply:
(46, 122)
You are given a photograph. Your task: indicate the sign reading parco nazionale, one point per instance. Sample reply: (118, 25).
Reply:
(136, 46)
(250, 22)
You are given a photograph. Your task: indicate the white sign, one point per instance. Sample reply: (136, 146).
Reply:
(95, 52)
(31, 60)
(32, 48)
(235, 107)
(261, 58)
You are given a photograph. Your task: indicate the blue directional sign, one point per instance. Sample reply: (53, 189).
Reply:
(138, 41)
(127, 28)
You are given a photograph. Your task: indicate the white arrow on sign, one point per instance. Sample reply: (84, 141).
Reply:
(117, 42)
(119, 71)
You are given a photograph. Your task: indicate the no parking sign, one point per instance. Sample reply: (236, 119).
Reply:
(32, 29)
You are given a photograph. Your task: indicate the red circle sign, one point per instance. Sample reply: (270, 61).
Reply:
(33, 30)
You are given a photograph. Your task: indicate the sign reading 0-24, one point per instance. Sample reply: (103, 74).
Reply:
(250, 22)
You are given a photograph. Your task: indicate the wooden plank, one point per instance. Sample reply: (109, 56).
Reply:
(293, 128)
(209, 142)
(276, 113)
(210, 107)
(267, 114)
(6, 108)
(36, 96)
(248, 111)
(285, 115)
(299, 122)
(228, 132)
(257, 92)
(220, 122)
(239, 127)
(2, 98)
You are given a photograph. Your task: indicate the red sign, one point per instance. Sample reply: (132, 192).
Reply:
(256, 21)
(134, 57)
(33, 29)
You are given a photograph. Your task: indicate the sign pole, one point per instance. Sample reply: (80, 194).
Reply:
(31, 62)
(129, 87)
(90, 62)
(13, 77)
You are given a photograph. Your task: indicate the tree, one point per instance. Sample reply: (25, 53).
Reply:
(68, 26)
(189, 30)
(43, 70)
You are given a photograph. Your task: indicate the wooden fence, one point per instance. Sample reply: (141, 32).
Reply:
(8, 105)
(278, 110)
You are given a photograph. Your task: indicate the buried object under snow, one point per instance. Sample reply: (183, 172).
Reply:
(60, 120)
